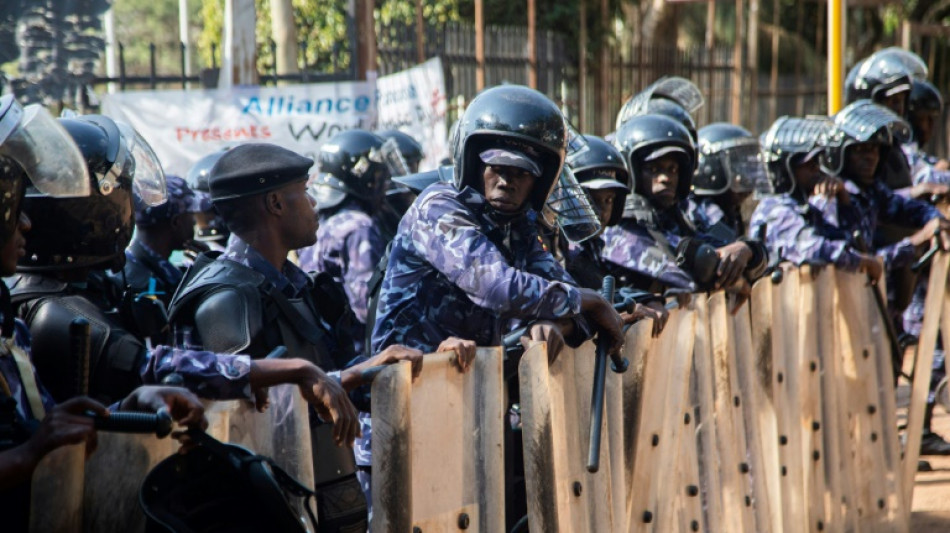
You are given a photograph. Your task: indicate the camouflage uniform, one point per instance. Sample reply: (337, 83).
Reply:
(453, 271)
(804, 232)
(703, 211)
(636, 258)
(878, 204)
(148, 273)
(10, 373)
(349, 245)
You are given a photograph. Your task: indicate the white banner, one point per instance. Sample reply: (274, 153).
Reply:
(413, 101)
(183, 126)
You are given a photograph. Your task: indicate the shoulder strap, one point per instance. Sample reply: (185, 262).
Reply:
(373, 287)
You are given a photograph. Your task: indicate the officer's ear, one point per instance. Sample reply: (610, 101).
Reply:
(274, 202)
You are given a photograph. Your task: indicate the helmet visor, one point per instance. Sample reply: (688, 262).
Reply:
(393, 158)
(42, 147)
(140, 163)
(576, 144)
(743, 163)
(680, 90)
(893, 59)
(861, 120)
(569, 209)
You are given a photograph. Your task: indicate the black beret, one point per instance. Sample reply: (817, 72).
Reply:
(254, 168)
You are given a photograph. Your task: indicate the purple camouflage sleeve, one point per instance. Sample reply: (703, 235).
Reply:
(452, 241)
(364, 247)
(210, 375)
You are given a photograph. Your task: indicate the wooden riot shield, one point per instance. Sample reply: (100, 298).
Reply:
(754, 364)
(868, 436)
(663, 491)
(555, 414)
(115, 472)
(438, 457)
(937, 304)
(56, 490)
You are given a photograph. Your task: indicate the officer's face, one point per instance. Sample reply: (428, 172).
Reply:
(15, 248)
(923, 122)
(300, 224)
(807, 174)
(861, 162)
(507, 188)
(661, 176)
(603, 200)
(895, 102)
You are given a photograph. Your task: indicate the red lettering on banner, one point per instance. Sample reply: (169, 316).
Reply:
(249, 132)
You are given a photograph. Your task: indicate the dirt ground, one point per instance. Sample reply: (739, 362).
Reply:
(931, 508)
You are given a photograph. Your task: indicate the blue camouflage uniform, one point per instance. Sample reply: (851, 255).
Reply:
(454, 271)
(804, 232)
(12, 381)
(879, 204)
(638, 259)
(703, 211)
(349, 246)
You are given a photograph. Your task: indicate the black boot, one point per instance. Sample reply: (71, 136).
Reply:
(930, 442)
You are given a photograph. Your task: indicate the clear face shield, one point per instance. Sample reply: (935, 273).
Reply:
(576, 144)
(393, 158)
(742, 161)
(47, 154)
(569, 209)
(680, 90)
(137, 160)
(894, 59)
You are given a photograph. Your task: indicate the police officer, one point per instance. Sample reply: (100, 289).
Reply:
(409, 148)
(251, 299)
(160, 230)
(349, 192)
(209, 228)
(859, 140)
(31, 424)
(467, 259)
(924, 107)
(601, 172)
(728, 168)
(800, 217)
(661, 157)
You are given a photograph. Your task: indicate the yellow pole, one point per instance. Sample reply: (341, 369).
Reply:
(836, 32)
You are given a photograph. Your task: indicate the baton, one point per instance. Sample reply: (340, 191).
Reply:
(928, 255)
(159, 423)
(618, 365)
(79, 346)
(897, 358)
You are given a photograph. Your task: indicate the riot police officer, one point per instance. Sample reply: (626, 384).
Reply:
(251, 299)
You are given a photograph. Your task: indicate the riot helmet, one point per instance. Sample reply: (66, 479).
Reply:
(883, 74)
(409, 148)
(647, 137)
(923, 109)
(209, 225)
(601, 166)
(515, 119)
(672, 89)
(28, 139)
(861, 122)
(198, 174)
(728, 159)
(351, 165)
(70, 233)
(788, 142)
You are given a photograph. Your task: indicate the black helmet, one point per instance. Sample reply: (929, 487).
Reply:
(882, 74)
(860, 122)
(35, 151)
(924, 97)
(197, 177)
(790, 141)
(350, 165)
(645, 135)
(94, 231)
(601, 166)
(511, 117)
(728, 159)
(410, 148)
(217, 486)
(680, 91)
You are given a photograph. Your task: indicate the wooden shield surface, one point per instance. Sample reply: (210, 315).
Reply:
(115, 472)
(56, 490)
(438, 446)
(555, 410)
(663, 462)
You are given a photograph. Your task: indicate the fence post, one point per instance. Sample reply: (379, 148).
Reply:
(151, 65)
(121, 67)
(184, 73)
